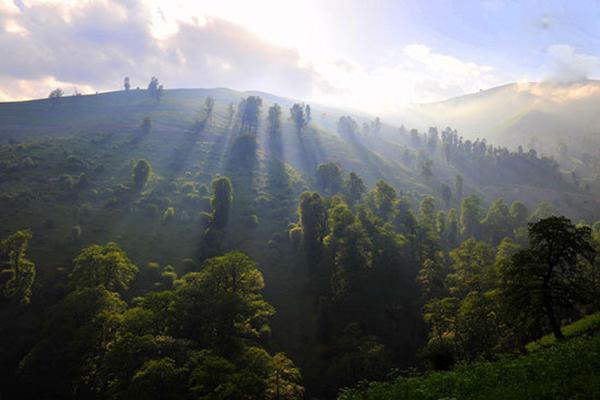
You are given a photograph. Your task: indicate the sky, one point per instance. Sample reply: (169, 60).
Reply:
(364, 54)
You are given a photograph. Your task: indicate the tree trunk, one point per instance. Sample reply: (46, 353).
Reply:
(552, 317)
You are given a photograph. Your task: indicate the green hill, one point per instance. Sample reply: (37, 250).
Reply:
(342, 267)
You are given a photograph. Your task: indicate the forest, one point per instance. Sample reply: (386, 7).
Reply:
(215, 244)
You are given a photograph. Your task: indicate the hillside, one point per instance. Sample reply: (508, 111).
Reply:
(540, 115)
(280, 245)
(117, 115)
(568, 370)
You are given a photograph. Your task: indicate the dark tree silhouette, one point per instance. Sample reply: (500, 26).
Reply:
(548, 275)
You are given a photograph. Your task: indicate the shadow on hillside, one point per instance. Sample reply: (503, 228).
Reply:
(364, 154)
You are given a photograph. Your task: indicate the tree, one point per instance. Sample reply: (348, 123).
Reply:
(14, 263)
(472, 263)
(329, 178)
(75, 336)
(103, 266)
(470, 216)
(427, 213)
(312, 214)
(126, 84)
(159, 379)
(250, 111)
(222, 304)
(452, 228)
(155, 89)
(518, 213)
(382, 200)
(547, 275)
(221, 201)
(284, 379)
(274, 119)
(56, 94)
(351, 252)
(300, 116)
(497, 222)
(347, 127)
(141, 173)
(355, 189)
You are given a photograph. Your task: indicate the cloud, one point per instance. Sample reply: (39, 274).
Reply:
(416, 73)
(93, 45)
(569, 65)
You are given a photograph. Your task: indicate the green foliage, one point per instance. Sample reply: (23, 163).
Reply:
(103, 266)
(547, 277)
(355, 189)
(470, 216)
(312, 215)
(568, 370)
(351, 251)
(19, 270)
(222, 303)
(329, 178)
(497, 223)
(519, 213)
(382, 199)
(76, 332)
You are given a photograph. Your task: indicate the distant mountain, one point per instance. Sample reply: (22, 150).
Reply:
(529, 114)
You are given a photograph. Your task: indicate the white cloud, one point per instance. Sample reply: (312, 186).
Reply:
(415, 74)
(570, 65)
(94, 45)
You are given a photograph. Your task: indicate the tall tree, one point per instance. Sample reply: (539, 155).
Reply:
(497, 222)
(250, 112)
(355, 189)
(470, 216)
(300, 116)
(274, 119)
(312, 214)
(382, 200)
(548, 275)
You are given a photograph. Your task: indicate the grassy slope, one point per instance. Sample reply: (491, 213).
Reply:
(570, 370)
